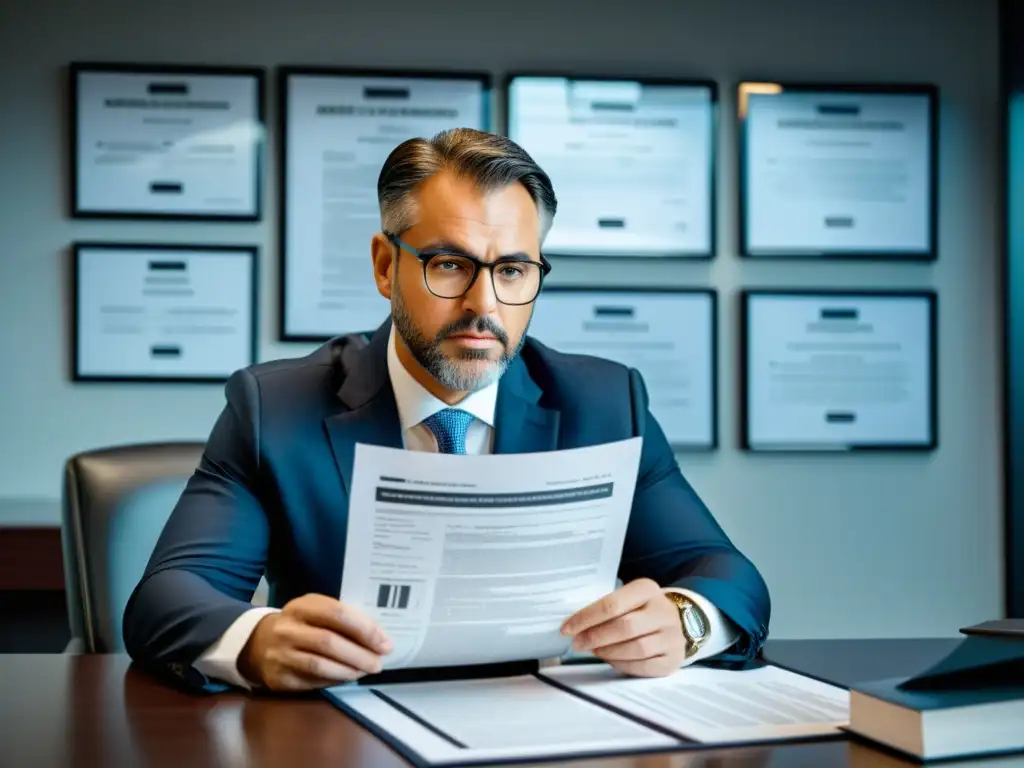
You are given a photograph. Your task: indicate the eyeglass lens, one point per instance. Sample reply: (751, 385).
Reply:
(515, 282)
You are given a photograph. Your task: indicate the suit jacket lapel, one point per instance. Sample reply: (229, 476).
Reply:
(521, 424)
(373, 418)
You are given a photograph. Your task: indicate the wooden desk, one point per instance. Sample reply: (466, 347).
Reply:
(98, 711)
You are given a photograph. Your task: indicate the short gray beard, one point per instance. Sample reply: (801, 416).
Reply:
(448, 372)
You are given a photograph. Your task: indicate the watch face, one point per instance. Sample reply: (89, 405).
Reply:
(695, 625)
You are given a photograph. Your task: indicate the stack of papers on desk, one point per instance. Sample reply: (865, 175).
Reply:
(590, 710)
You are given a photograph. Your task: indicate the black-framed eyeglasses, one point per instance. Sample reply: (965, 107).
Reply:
(449, 274)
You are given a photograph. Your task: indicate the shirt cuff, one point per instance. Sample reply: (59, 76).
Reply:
(722, 633)
(220, 660)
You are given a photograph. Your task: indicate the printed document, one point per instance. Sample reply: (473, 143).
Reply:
(838, 172)
(168, 143)
(496, 719)
(837, 371)
(717, 705)
(481, 559)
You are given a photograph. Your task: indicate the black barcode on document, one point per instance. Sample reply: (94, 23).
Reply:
(393, 596)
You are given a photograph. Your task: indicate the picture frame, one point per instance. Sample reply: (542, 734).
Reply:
(166, 142)
(812, 409)
(852, 182)
(162, 313)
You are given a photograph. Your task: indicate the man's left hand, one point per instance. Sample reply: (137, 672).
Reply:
(636, 629)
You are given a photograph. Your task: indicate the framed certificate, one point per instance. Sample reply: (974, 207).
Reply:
(145, 312)
(631, 160)
(166, 142)
(641, 328)
(338, 128)
(838, 171)
(839, 370)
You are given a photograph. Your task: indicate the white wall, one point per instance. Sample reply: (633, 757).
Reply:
(850, 545)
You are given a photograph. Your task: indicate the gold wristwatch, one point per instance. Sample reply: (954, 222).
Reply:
(696, 627)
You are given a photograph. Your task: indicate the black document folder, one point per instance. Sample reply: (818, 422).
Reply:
(590, 710)
(992, 653)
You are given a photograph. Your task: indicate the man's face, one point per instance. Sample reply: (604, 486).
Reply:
(467, 342)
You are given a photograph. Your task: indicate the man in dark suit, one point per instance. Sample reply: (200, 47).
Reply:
(459, 258)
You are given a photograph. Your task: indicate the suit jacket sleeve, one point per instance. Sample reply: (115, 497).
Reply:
(212, 552)
(673, 539)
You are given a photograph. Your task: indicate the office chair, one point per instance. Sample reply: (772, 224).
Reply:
(115, 503)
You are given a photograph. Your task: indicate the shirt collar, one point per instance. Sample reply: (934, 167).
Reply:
(416, 404)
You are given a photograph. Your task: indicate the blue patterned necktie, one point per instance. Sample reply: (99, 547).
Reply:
(449, 427)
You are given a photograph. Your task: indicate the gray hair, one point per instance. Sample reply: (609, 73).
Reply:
(492, 161)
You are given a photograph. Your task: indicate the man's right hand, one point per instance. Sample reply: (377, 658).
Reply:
(315, 641)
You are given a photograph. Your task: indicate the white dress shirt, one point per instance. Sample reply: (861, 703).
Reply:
(415, 404)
